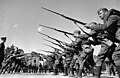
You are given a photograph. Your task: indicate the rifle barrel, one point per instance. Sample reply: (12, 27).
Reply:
(75, 21)
(56, 29)
(53, 47)
(51, 37)
(55, 43)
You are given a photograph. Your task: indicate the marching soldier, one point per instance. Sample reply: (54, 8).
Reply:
(58, 63)
(66, 62)
(86, 57)
(79, 46)
(111, 19)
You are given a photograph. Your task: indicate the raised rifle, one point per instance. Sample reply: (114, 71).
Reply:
(56, 29)
(49, 51)
(55, 43)
(74, 20)
(52, 38)
(53, 47)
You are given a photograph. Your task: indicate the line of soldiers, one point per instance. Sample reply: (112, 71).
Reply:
(76, 58)
(14, 61)
(106, 35)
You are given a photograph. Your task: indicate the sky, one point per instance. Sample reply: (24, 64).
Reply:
(20, 19)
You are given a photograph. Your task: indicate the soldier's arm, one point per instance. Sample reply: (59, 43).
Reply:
(94, 26)
(71, 44)
(112, 20)
(84, 36)
(70, 49)
(76, 42)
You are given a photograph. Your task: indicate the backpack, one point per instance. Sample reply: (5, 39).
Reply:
(115, 12)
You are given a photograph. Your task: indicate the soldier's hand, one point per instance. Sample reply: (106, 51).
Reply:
(89, 25)
(63, 43)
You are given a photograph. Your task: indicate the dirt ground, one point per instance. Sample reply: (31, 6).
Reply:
(49, 75)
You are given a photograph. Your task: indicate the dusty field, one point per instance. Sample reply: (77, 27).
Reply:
(49, 75)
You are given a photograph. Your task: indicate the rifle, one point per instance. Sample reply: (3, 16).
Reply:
(55, 43)
(84, 31)
(74, 20)
(54, 47)
(68, 37)
(52, 38)
(16, 56)
(57, 29)
(49, 51)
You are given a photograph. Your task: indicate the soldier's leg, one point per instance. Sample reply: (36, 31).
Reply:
(4, 67)
(87, 67)
(81, 63)
(18, 70)
(77, 68)
(100, 59)
(16, 67)
(1, 60)
(10, 68)
(61, 68)
(55, 69)
(71, 69)
(65, 70)
(110, 53)
(91, 64)
(13, 67)
(116, 58)
(112, 70)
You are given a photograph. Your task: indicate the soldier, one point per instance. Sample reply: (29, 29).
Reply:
(66, 62)
(111, 20)
(86, 57)
(58, 63)
(2, 48)
(109, 67)
(78, 45)
(73, 48)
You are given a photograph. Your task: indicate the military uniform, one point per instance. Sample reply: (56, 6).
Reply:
(2, 47)
(86, 57)
(58, 66)
(67, 62)
(111, 28)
